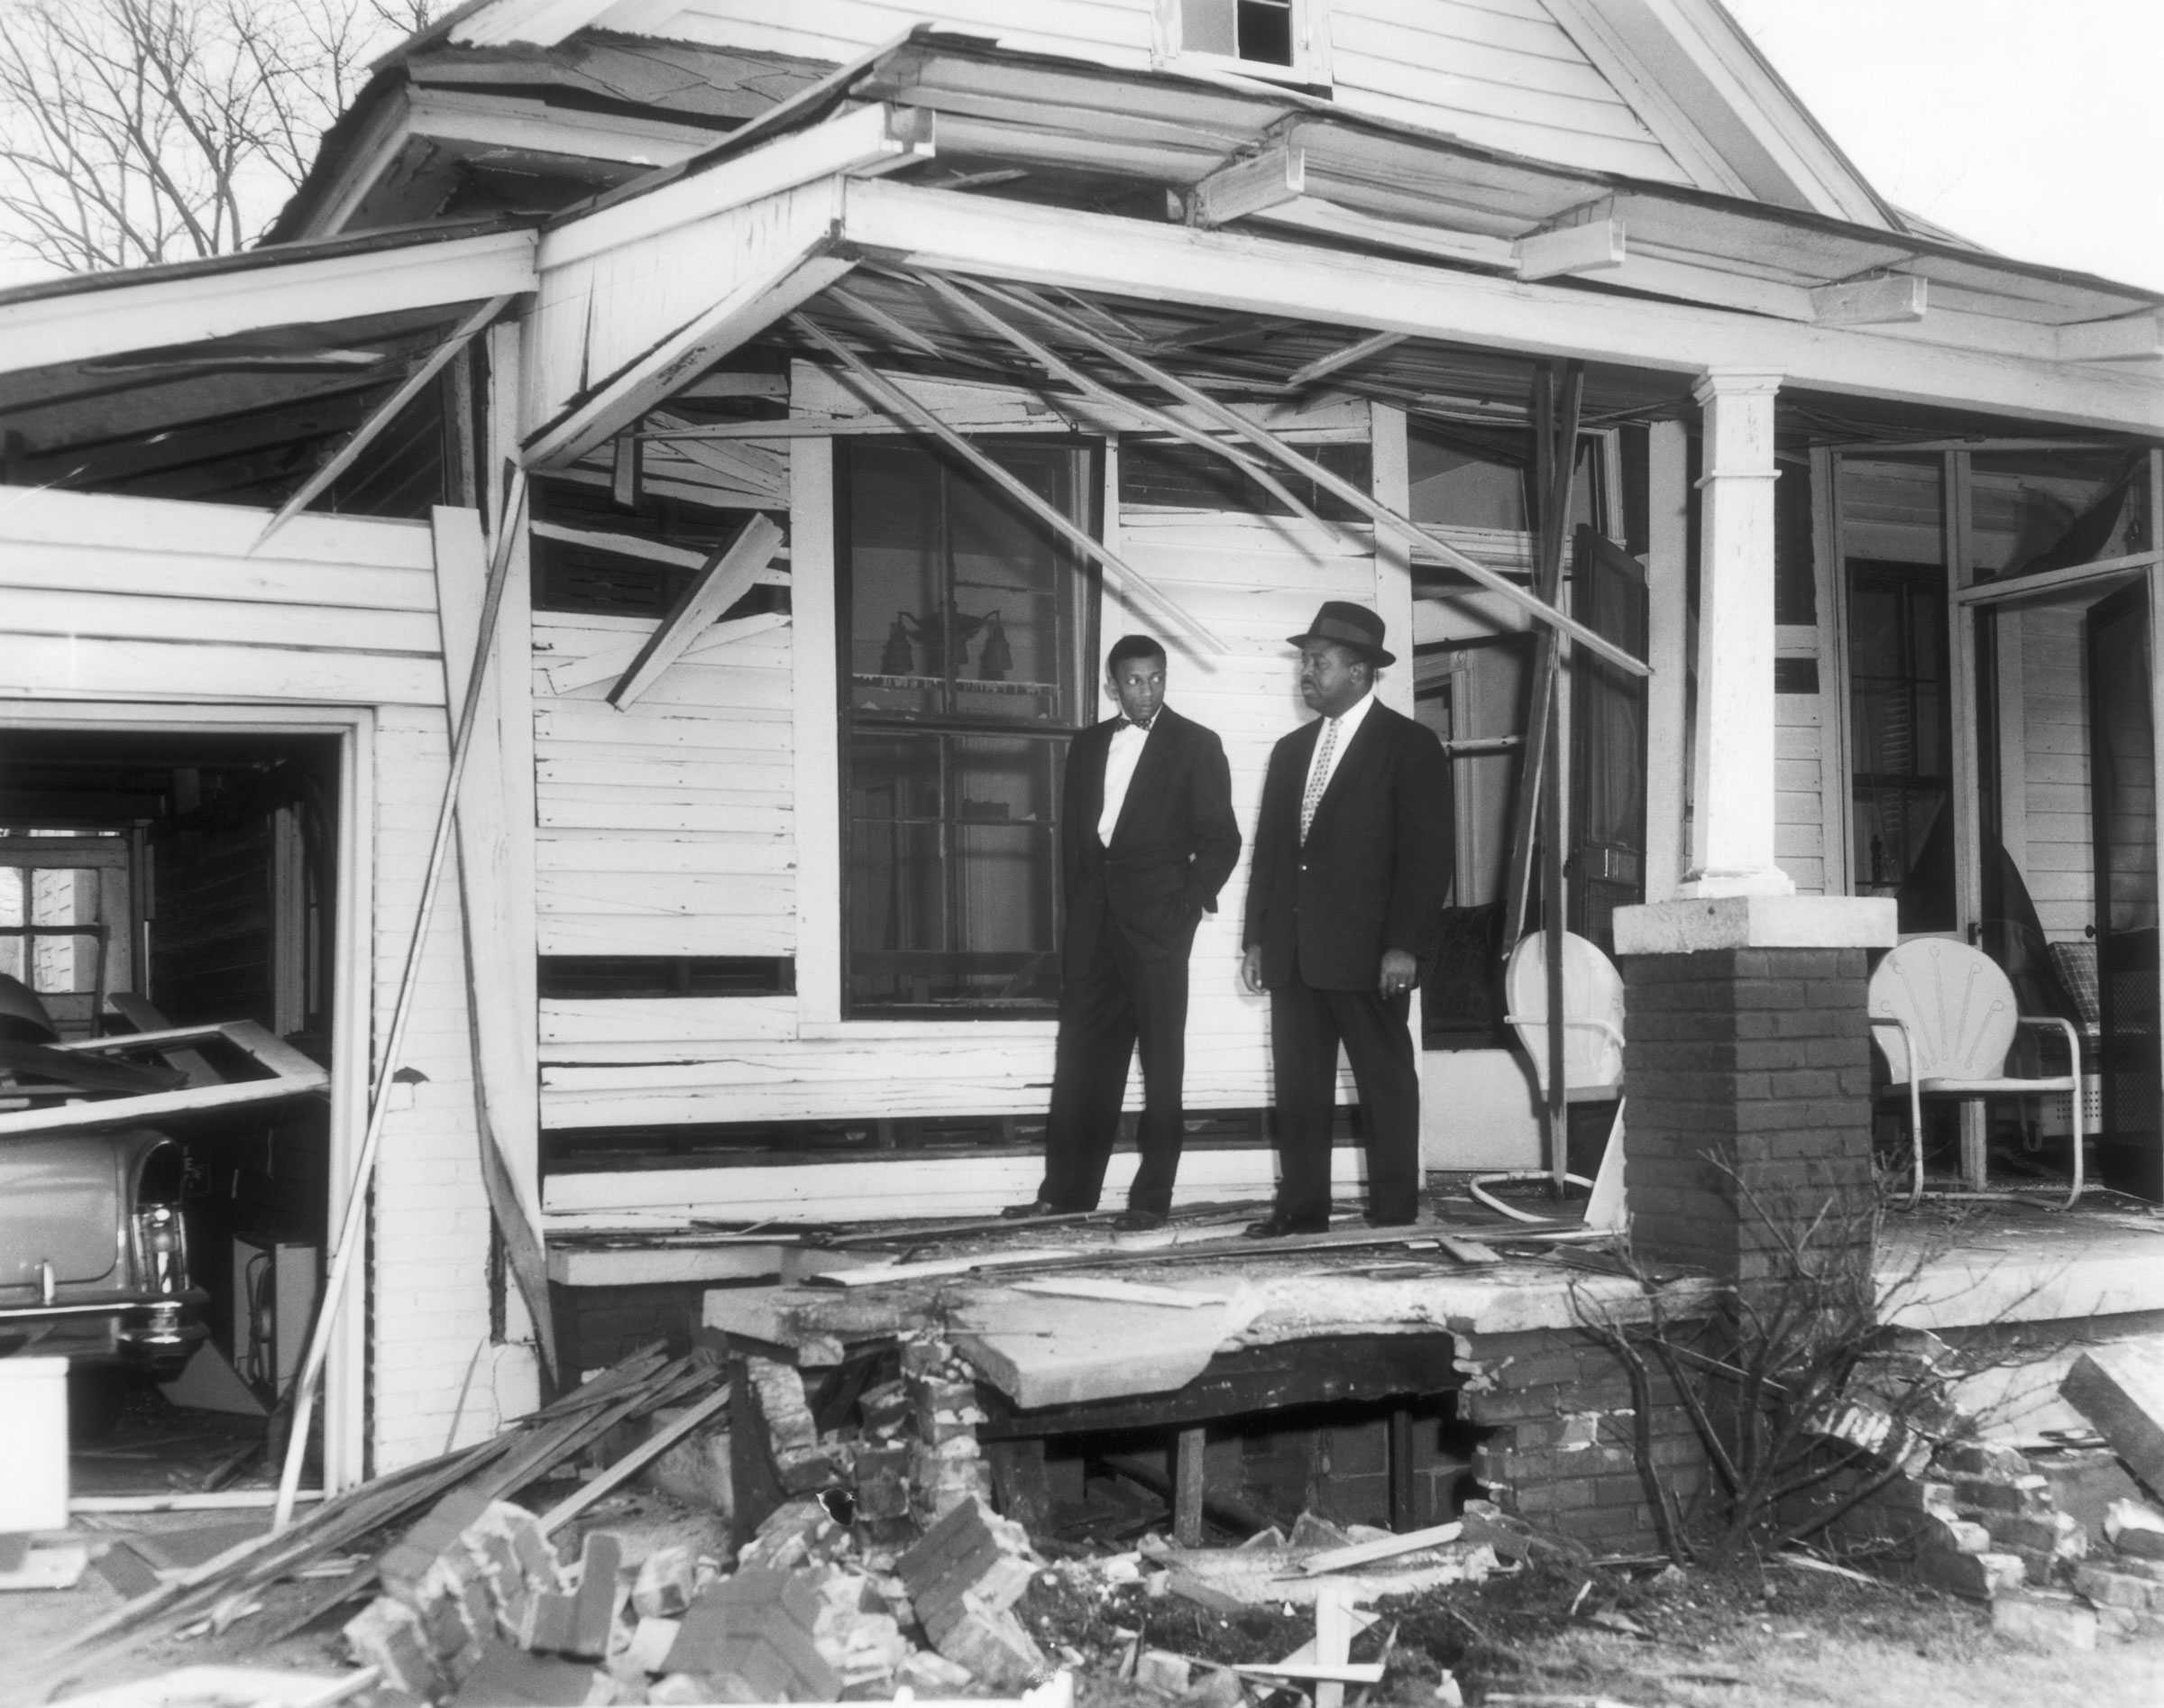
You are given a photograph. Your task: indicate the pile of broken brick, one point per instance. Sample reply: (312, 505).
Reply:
(477, 1608)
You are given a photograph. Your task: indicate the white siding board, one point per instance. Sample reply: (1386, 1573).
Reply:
(146, 597)
(1113, 31)
(2060, 868)
(1506, 76)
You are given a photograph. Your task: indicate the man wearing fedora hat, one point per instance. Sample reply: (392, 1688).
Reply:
(1344, 908)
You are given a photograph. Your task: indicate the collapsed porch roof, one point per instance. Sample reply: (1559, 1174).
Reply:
(1233, 149)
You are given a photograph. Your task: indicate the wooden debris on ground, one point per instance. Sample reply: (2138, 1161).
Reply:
(2120, 1389)
(463, 1482)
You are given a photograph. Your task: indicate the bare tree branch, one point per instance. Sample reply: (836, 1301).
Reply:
(142, 131)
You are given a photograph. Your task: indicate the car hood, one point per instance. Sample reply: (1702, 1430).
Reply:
(63, 1200)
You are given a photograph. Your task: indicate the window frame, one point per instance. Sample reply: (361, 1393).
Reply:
(850, 722)
(1310, 66)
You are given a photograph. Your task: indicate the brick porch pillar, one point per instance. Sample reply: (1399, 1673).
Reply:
(1747, 1064)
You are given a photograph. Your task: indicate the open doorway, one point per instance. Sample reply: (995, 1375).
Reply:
(155, 874)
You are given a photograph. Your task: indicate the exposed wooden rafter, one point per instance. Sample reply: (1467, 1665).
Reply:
(723, 579)
(1247, 274)
(781, 253)
(1060, 370)
(384, 415)
(1126, 579)
(241, 295)
(1373, 344)
(1382, 515)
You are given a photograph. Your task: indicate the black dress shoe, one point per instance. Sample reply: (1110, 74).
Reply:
(1283, 1227)
(1137, 1221)
(1035, 1208)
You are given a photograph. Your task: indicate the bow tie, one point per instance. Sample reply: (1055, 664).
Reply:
(1136, 723)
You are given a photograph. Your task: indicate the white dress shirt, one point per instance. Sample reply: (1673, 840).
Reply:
(1348, 726)
(1120, 760)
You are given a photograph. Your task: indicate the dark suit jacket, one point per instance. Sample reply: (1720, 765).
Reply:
(1376, 868)
(1175, 842)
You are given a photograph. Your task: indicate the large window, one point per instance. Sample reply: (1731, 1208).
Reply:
(964, 668)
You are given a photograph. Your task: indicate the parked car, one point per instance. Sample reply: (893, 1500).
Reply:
(93, 1244)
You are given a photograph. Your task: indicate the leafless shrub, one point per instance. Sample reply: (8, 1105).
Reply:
(1804, 1399)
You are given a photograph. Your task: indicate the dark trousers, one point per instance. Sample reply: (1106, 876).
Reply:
(1111, 1000)
(1306, 1027)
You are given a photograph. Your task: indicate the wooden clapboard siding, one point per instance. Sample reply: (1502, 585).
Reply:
(1799, 800)
(700, 883)
(150, 598)
(665, 829)
(1498, 72)
(2059, 865)
(130, 599)
(1501, 73)
(1115, 32)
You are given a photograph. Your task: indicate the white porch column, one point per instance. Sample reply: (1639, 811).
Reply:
(1732, 770)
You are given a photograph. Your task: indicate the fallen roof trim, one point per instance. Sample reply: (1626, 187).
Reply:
(99, 314)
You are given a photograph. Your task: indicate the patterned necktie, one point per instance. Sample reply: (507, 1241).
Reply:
(1318, 777)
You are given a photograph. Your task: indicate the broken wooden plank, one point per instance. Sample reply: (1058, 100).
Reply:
(384, 414)
(1126, 579)
(1353, 1672)
(1333, 1641)
(1339, 1559)
(659, 1443)
(887, 1274)
(1189, 1480)
(1120, 1292)
(293, 1073)
(724, 579)
(1374, 344)
(2120, 1390)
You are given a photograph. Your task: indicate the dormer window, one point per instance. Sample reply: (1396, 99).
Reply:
(1280, 39)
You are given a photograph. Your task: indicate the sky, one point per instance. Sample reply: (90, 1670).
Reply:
(2033, 127)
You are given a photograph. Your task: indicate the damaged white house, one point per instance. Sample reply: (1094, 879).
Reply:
(772, 413)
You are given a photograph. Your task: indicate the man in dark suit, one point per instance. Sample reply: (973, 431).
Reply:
(1147, 838)
(1345, 905)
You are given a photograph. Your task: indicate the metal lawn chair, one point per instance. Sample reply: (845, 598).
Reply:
(1943, 1016)
(1592, 1041)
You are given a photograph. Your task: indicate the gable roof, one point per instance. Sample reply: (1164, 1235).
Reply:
(1684, 75)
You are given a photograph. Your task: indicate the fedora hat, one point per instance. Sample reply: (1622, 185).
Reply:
(1349, 624)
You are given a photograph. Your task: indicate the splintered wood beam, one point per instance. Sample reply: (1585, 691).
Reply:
(652, 551)
(385, 413)
(1883, 299)
(1382, 515)
(1275, 176)
(2135, 338)
(1589, 248)
(623, 471)
(724, 579)
(1165, 423)
(1125, 578)
(1349, 356)
(908, 337)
